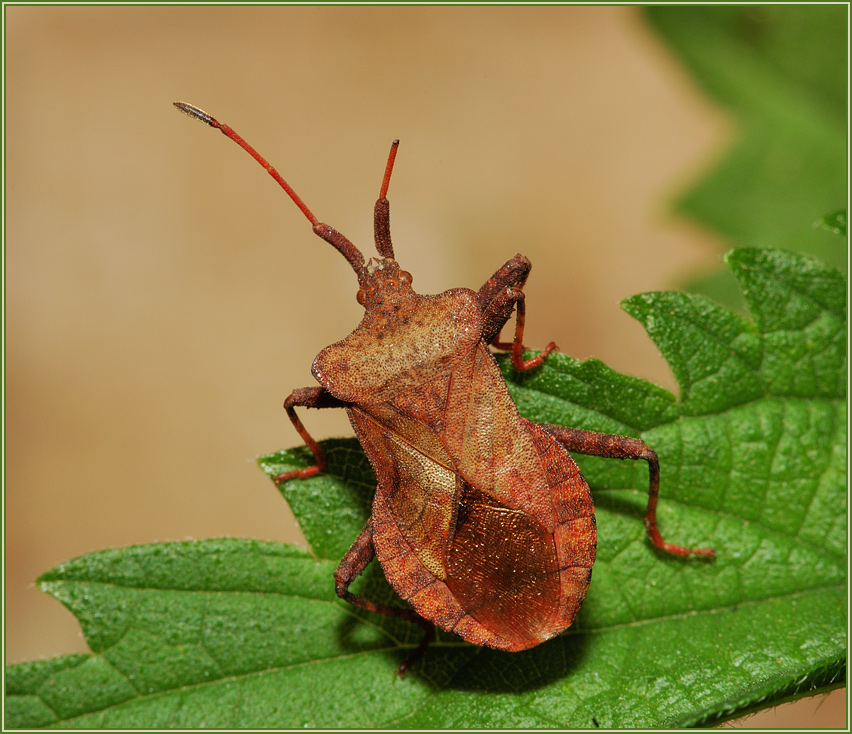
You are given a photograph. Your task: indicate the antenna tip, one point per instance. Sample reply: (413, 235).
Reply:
(197, 113)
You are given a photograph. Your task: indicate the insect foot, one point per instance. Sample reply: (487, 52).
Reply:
(481, 520)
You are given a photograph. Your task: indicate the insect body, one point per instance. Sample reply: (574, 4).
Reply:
(481, 520)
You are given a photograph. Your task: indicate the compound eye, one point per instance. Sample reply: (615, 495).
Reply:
(405, 277)
(361, 297)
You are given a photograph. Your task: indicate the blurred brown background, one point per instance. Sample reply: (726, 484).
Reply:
(164, 296)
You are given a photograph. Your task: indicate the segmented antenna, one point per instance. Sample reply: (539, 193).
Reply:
(329, 234)
(383, 192)
(381, 213)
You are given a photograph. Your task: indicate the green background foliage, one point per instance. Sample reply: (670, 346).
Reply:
(238, 633)
(781, 73)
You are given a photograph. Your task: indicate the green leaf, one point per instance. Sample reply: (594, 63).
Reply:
(834, 222)
(238, 633)
(781, 71)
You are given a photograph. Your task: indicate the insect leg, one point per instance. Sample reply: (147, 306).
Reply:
(307, 397)
(513, 274)
(623, 447)
(517, 345)
(351, 566)
(500, 295)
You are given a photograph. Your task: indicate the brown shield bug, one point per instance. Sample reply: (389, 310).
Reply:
(481, 520)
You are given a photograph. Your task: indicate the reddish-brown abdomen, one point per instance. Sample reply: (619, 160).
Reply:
(491, 543)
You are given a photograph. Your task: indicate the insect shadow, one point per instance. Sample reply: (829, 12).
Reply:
(453, 663)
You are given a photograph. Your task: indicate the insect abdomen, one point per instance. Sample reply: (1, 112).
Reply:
(450, 530)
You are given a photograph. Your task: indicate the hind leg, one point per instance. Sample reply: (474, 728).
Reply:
(351, 566)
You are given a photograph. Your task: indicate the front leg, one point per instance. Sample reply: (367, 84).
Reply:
(307, 397)
(500, 295)
(612, 446)
(513, 274)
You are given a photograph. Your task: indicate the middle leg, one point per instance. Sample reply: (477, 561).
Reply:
(613, 446)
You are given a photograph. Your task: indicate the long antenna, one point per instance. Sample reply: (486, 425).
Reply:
(329, 234)
(381, 212)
